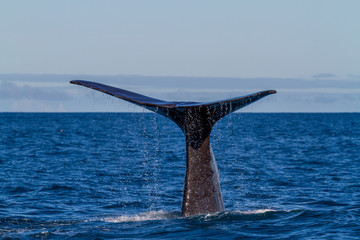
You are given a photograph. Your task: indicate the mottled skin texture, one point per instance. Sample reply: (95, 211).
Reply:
(202, 186)
(202, 192)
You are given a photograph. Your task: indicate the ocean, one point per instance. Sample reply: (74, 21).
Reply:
(121, 175)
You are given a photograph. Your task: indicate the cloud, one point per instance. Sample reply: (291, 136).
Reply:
(12, 91)
(354, 76)
(29, 105)
(49, 93)
(161, 83)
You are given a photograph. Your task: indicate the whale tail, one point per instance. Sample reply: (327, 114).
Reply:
(202, 187)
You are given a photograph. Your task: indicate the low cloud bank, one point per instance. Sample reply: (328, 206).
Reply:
(53, 93)
(10, 91)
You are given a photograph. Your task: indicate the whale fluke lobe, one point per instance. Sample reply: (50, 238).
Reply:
(202, 186)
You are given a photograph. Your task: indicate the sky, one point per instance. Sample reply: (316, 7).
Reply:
(200, 50)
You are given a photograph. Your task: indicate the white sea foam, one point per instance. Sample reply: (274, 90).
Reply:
(146, 216)
(257, 211)
(210, 216)
(161, 215)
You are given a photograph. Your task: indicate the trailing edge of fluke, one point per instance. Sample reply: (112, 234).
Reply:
(202, 192)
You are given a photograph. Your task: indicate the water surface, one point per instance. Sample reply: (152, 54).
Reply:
(121, 175)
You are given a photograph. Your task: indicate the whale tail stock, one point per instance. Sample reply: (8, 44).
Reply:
(202, 187)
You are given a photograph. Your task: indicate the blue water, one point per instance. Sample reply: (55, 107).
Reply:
(121, 175)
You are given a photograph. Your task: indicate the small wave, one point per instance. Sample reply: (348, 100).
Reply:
(146, 216)
(15, 221)
(58, 187)
(18, 190)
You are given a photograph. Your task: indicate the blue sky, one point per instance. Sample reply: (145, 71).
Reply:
(183, 50)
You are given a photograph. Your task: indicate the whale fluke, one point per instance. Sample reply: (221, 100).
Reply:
(202, 187)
